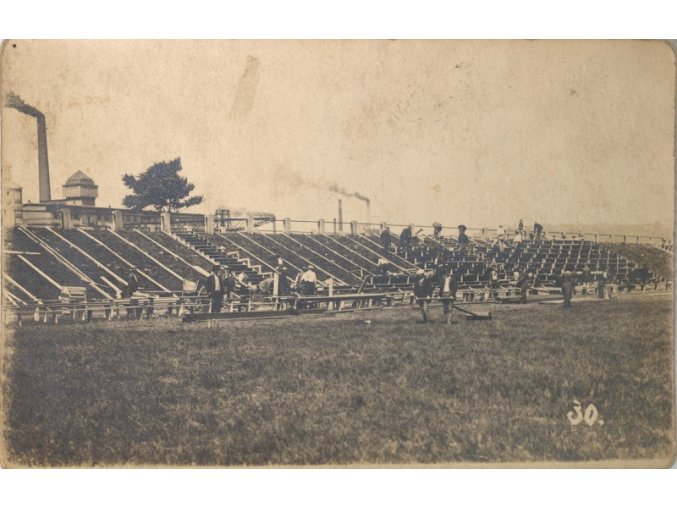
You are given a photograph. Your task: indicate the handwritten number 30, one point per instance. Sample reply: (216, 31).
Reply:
(576, 416)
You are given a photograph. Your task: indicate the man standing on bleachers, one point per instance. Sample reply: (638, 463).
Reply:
(405, 239)
(437, 230)
(215, 289)
(386, 239)
(463, 239)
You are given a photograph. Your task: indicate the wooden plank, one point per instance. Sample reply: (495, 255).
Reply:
(201, 317)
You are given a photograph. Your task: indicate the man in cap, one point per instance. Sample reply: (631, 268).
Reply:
(423, 290)
(134, 309)
(215, 289)
(448, 288)
(283, 288)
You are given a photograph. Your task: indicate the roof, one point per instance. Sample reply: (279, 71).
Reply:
(79, 178)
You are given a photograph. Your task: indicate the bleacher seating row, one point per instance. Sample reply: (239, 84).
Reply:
(44, 260)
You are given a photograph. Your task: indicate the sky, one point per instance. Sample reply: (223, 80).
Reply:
(480, 133)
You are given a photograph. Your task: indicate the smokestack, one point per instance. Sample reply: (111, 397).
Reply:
(366, 200)
(43, 162)
(15, 102)
(340, 215)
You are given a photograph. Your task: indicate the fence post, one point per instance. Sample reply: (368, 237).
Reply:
(353, 228)
(320, 226)
(250, 224)
(209, 224)
(66, 219)
(117, 220)
(166, 222)
(287, 225)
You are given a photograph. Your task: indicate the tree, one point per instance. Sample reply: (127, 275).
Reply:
(161, 187)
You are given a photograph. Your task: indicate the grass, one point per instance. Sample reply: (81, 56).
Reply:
(338, 390)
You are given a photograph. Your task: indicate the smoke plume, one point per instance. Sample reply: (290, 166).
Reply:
(333, 187)
(295, 180)
(15, 102)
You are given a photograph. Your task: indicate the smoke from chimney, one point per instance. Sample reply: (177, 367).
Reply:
(15, 102)
(333, 187)
(296, 180)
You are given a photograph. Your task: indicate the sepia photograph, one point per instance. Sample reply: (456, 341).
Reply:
(337, 253)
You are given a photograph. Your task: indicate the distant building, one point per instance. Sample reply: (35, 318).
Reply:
(80, 190)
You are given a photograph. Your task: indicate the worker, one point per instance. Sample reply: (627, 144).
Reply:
(463, 239)
(307, 285)
(567, 283)
(448, 288)
(524, 282)
(386, 239)
(215, 289)
(405, 238)
(423, 290)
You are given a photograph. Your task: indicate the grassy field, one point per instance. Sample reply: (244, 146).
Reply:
(340, 390)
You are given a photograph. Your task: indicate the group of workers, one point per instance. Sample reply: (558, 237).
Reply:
(223, 284)
(407, 237)
(444, 279)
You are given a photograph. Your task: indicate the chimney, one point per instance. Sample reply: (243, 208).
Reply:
(368, 210)
(43, 162)
(15, 102)
(340, 215)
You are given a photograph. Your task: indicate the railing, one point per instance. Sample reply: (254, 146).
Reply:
(486, 233)
(196, 308)
(187, 222)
